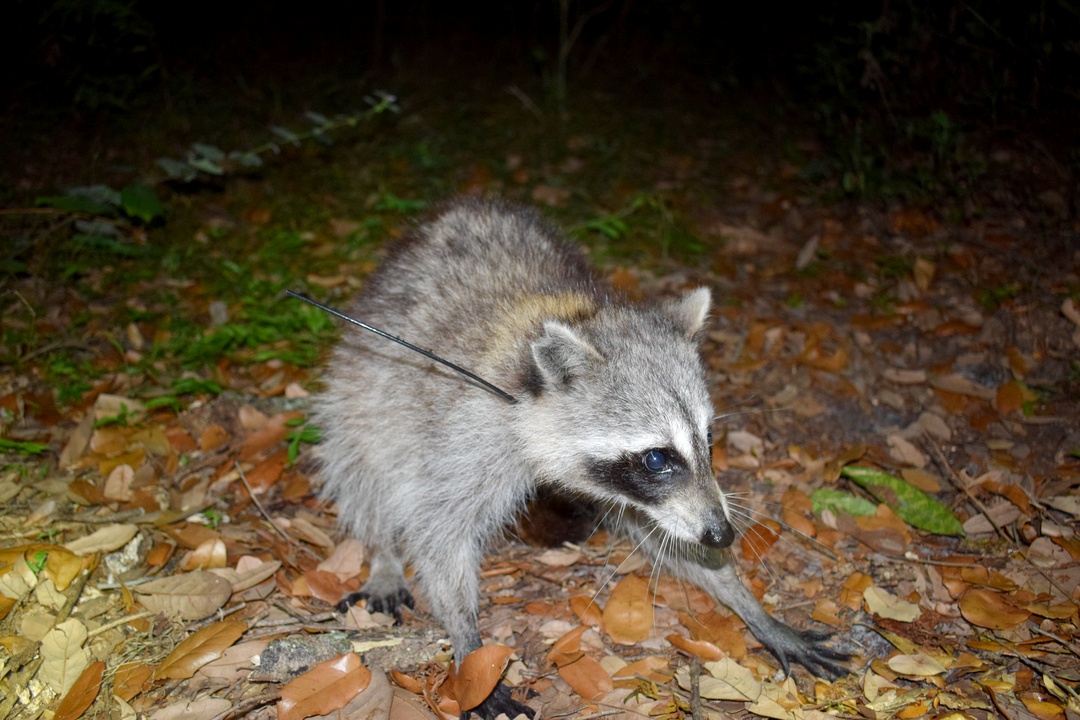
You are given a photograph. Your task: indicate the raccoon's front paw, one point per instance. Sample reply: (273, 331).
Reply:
(805, 648)
(389, 604)
(500, 702)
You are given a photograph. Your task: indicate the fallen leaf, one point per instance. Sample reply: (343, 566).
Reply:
(130, 679)
(914, 506)
(190, 596)
(205, 708)
(989, 609)
(82, 694)
(918, 665)
(250, 576)
(587, 611)
(327, 687)
(726, 680)
(479, 673)
(63, 657)
(700, 648)
(628, 615)
(587, 678)
(345, 561)
(200, 648)
(104, 540)
(210, 554)
(884, 604)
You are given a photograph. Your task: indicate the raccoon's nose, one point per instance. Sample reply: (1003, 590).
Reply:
(718, 533)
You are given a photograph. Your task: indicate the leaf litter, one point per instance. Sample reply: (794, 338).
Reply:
(898, 435)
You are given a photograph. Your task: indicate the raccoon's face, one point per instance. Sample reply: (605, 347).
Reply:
(624, 413)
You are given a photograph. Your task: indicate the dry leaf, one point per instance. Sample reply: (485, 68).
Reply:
(587, 611)
(200, 648)
(918, 664)
(191, 596)
(64, 658)
(587, 678)
(250, 576)
(82, 694)
(884, 604)
(210, 554)
(205, 708)
(327, 687)
(118, 484)
(236, 663)
(345, 561)
(104, 540)
(701, 648)
(726, 680)
(628, 615)
(479, 673)
(130, 679)
(989, 609)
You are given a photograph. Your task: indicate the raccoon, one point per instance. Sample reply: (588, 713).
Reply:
(610, 404)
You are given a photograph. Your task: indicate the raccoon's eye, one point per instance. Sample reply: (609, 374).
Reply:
(654, 460)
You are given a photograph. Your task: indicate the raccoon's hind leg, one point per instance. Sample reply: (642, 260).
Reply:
(386, 589)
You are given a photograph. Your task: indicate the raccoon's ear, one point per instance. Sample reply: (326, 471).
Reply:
(561, 354)
(690, 311)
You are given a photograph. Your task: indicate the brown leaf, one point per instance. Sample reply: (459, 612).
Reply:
(326, 687)
(989, 609)
(701, 648)
(566, 649)
(587, 678)
(628, 616)
(718, 628)
(213, 437)
(587, 610)
(82, 694)
(479, 674)
(756, 541)
(236, 663)
(1009, 398)
(130, 679)
(210, 554)
(191, 596)
(325, 586)
(200, 648)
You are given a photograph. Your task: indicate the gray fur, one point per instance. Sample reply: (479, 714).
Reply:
(426, 468)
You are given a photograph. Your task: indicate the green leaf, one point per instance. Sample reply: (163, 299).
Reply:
(828, 499)
(22, 447)
(912, 505)
(140, 202)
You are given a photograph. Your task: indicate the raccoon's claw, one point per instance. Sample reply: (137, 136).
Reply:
(387, 604)
(498, 702)
(807, 649)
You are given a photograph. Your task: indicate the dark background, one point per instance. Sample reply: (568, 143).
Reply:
(889, 73)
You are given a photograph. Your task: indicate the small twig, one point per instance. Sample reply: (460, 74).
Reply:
(291, 620)
(962, 486)
(1056, 638)
(696, 711)
(262, 510)
(244, 707)
(117, 623)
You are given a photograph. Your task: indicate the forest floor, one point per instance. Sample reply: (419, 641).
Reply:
(164, 552)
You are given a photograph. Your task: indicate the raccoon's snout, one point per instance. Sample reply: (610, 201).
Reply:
(718, 533)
